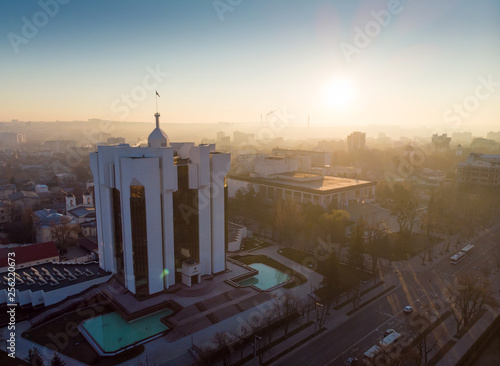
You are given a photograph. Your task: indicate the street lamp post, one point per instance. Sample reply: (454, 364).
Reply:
(317, 305)
(255, 339)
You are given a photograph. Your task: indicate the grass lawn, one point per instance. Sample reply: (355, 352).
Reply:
(62, 333)
(249, 259)
(350, 277)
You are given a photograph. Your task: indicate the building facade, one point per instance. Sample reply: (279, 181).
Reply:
(356, 141)
(480, 169)
(157, 208)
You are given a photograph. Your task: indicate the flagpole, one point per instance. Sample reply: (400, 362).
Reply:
(156, 98)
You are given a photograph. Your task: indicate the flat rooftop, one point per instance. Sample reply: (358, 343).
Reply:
(71, 274)
(306, 182)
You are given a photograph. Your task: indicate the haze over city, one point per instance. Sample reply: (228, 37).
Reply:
(414, 61)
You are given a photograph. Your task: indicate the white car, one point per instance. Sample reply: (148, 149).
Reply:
(388, 331)
(408, 309)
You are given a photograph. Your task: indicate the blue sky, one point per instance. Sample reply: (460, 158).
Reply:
(90, 55)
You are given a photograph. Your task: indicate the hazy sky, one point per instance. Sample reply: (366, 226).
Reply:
(341, 62)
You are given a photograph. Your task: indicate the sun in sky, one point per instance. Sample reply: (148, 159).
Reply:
(338, 92)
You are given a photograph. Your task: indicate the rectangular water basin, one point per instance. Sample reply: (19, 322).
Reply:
(112, 333)
(267, 277)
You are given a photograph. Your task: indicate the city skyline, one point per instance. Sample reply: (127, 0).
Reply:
(404, 63)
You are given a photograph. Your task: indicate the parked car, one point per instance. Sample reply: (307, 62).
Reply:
(388, 331)
(408, 309)
(351, 361)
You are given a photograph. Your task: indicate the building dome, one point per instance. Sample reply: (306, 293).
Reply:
(157, 138)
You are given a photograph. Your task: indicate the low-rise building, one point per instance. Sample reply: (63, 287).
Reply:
(44, 221)
(23, 199)
(305, 188)
(5, 213)
(480, 169)
(29, 255)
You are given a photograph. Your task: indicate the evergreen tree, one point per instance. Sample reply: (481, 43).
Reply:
(56, 361)
(34, 357)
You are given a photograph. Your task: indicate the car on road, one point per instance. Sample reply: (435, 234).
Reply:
(408, 309)
(351, 361)
(388, 331)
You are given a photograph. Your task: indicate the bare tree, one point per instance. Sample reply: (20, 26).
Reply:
(63, 233)
(356, 297)
(425, 341)
(286, 306)
(376, 238)
(321, 314)
(289, 221)
(472, 293)
(222, 342)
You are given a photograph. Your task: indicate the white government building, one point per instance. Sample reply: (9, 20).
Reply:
(160, 212)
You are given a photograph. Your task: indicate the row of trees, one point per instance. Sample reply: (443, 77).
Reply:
(293, 224)
(35, 359)
(260, 329)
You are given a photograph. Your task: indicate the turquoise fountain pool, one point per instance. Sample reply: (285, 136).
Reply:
(112, 333)
(267, 277)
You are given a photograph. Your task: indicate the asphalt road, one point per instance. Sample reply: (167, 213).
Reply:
(365, 327)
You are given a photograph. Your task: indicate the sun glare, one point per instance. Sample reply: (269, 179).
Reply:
(338, 93)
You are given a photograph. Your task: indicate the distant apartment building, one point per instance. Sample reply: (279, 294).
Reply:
(356, 141)
(278, 178)
(242, 138)
(441, 142)
(245, 163)
(480, 143)
(115, 140)
(495, 136)
(11, 139)
(480, 169)
(306, 159)
(58, 146)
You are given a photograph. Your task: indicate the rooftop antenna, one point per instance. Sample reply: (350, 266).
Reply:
(157, 115)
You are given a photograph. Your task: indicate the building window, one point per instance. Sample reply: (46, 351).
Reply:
(186, 227)
(138, 225)
(117, 222)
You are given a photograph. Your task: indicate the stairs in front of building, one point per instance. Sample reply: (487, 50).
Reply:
(201, 306)
(213, 318)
